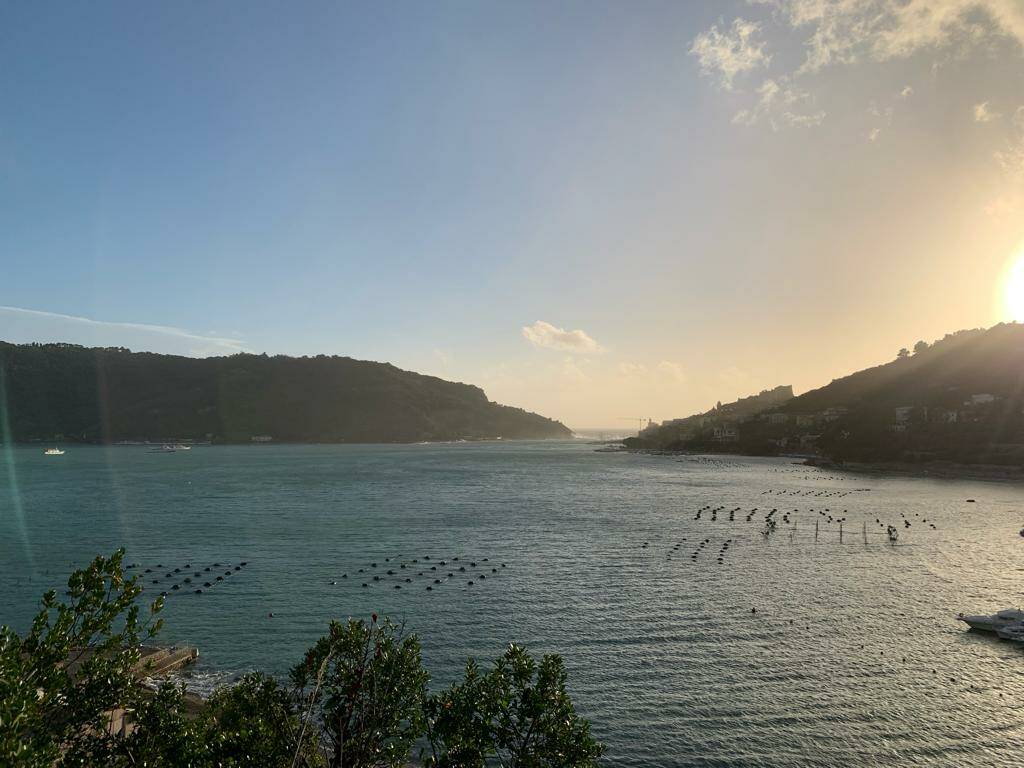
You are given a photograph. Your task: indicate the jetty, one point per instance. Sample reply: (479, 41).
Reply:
(157, 661)
(154, 662)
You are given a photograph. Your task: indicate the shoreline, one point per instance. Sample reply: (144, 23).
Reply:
(935, 470)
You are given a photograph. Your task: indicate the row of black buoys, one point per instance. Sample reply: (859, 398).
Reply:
(723, 550)
(187, 580)
(699, 549)
(433, 570)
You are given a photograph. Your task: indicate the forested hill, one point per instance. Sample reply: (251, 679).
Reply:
(959, 399)
(64, 391)
(943, 374)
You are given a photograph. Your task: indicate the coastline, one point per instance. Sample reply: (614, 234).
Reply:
(936, 470)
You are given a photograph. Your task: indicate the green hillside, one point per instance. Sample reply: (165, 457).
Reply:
(63, 391)
(960, 399)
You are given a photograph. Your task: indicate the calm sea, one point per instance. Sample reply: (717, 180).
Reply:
(852, 658)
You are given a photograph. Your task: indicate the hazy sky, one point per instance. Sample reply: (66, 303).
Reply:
(593, 210)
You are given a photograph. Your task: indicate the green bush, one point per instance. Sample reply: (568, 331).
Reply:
(359, 699)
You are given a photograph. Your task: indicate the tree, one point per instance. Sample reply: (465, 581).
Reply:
(920, 347)
(362, 688)
(903, 354)
(254, 722)
(517, 715)
(60, 681)
(359, 699)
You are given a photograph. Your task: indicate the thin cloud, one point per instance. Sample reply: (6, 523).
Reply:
(664, 371)
(847, 31)
(780, 104)
(730, 53)
(844, 32)
(674, 371)
(983, 113)
(632, 370)
(547, 336)
(1012, 157)
(197, 344)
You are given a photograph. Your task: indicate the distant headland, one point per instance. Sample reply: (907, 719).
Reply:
(959, 400)
(65, 392)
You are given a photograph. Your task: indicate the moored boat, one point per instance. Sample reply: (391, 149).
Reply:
(53, 452)
(994, 622)
(1012, 632)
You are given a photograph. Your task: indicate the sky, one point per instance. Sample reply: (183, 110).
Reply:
(596, 211)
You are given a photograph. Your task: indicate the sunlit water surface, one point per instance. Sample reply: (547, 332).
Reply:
(852, 658)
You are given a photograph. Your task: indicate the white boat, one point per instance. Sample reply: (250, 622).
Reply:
(53, 452)
(163, 449)
(995, 622)
(1012, 632)
(180, 447)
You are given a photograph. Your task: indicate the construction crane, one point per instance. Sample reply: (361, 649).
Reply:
(639, 420)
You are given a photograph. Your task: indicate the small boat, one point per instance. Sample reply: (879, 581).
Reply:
(181, 447)
(995, 622)
(163, 449)
(53, 452)
(1012, 632)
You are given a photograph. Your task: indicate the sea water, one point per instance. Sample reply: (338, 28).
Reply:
(798, 648)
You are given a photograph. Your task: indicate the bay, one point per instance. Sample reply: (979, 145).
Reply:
(853, 656)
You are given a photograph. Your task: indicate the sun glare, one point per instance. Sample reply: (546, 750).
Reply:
(1013, 289)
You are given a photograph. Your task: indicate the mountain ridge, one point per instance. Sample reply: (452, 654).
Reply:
(110, 394)
(959, 399)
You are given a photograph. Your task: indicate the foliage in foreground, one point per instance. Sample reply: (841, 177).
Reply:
(358, 698)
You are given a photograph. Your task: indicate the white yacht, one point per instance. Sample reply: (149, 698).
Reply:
(53, 452)
(995, 622)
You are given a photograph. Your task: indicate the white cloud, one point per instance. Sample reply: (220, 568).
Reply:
(548, 336)
(20, 324)
(780, 104)
(846, 31)
(983, 113)
(732, 52)
(835, 32)
(884, 115)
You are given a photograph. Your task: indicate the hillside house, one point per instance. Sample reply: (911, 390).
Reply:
(725, 434)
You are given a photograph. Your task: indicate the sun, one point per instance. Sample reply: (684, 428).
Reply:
(1013, 289)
